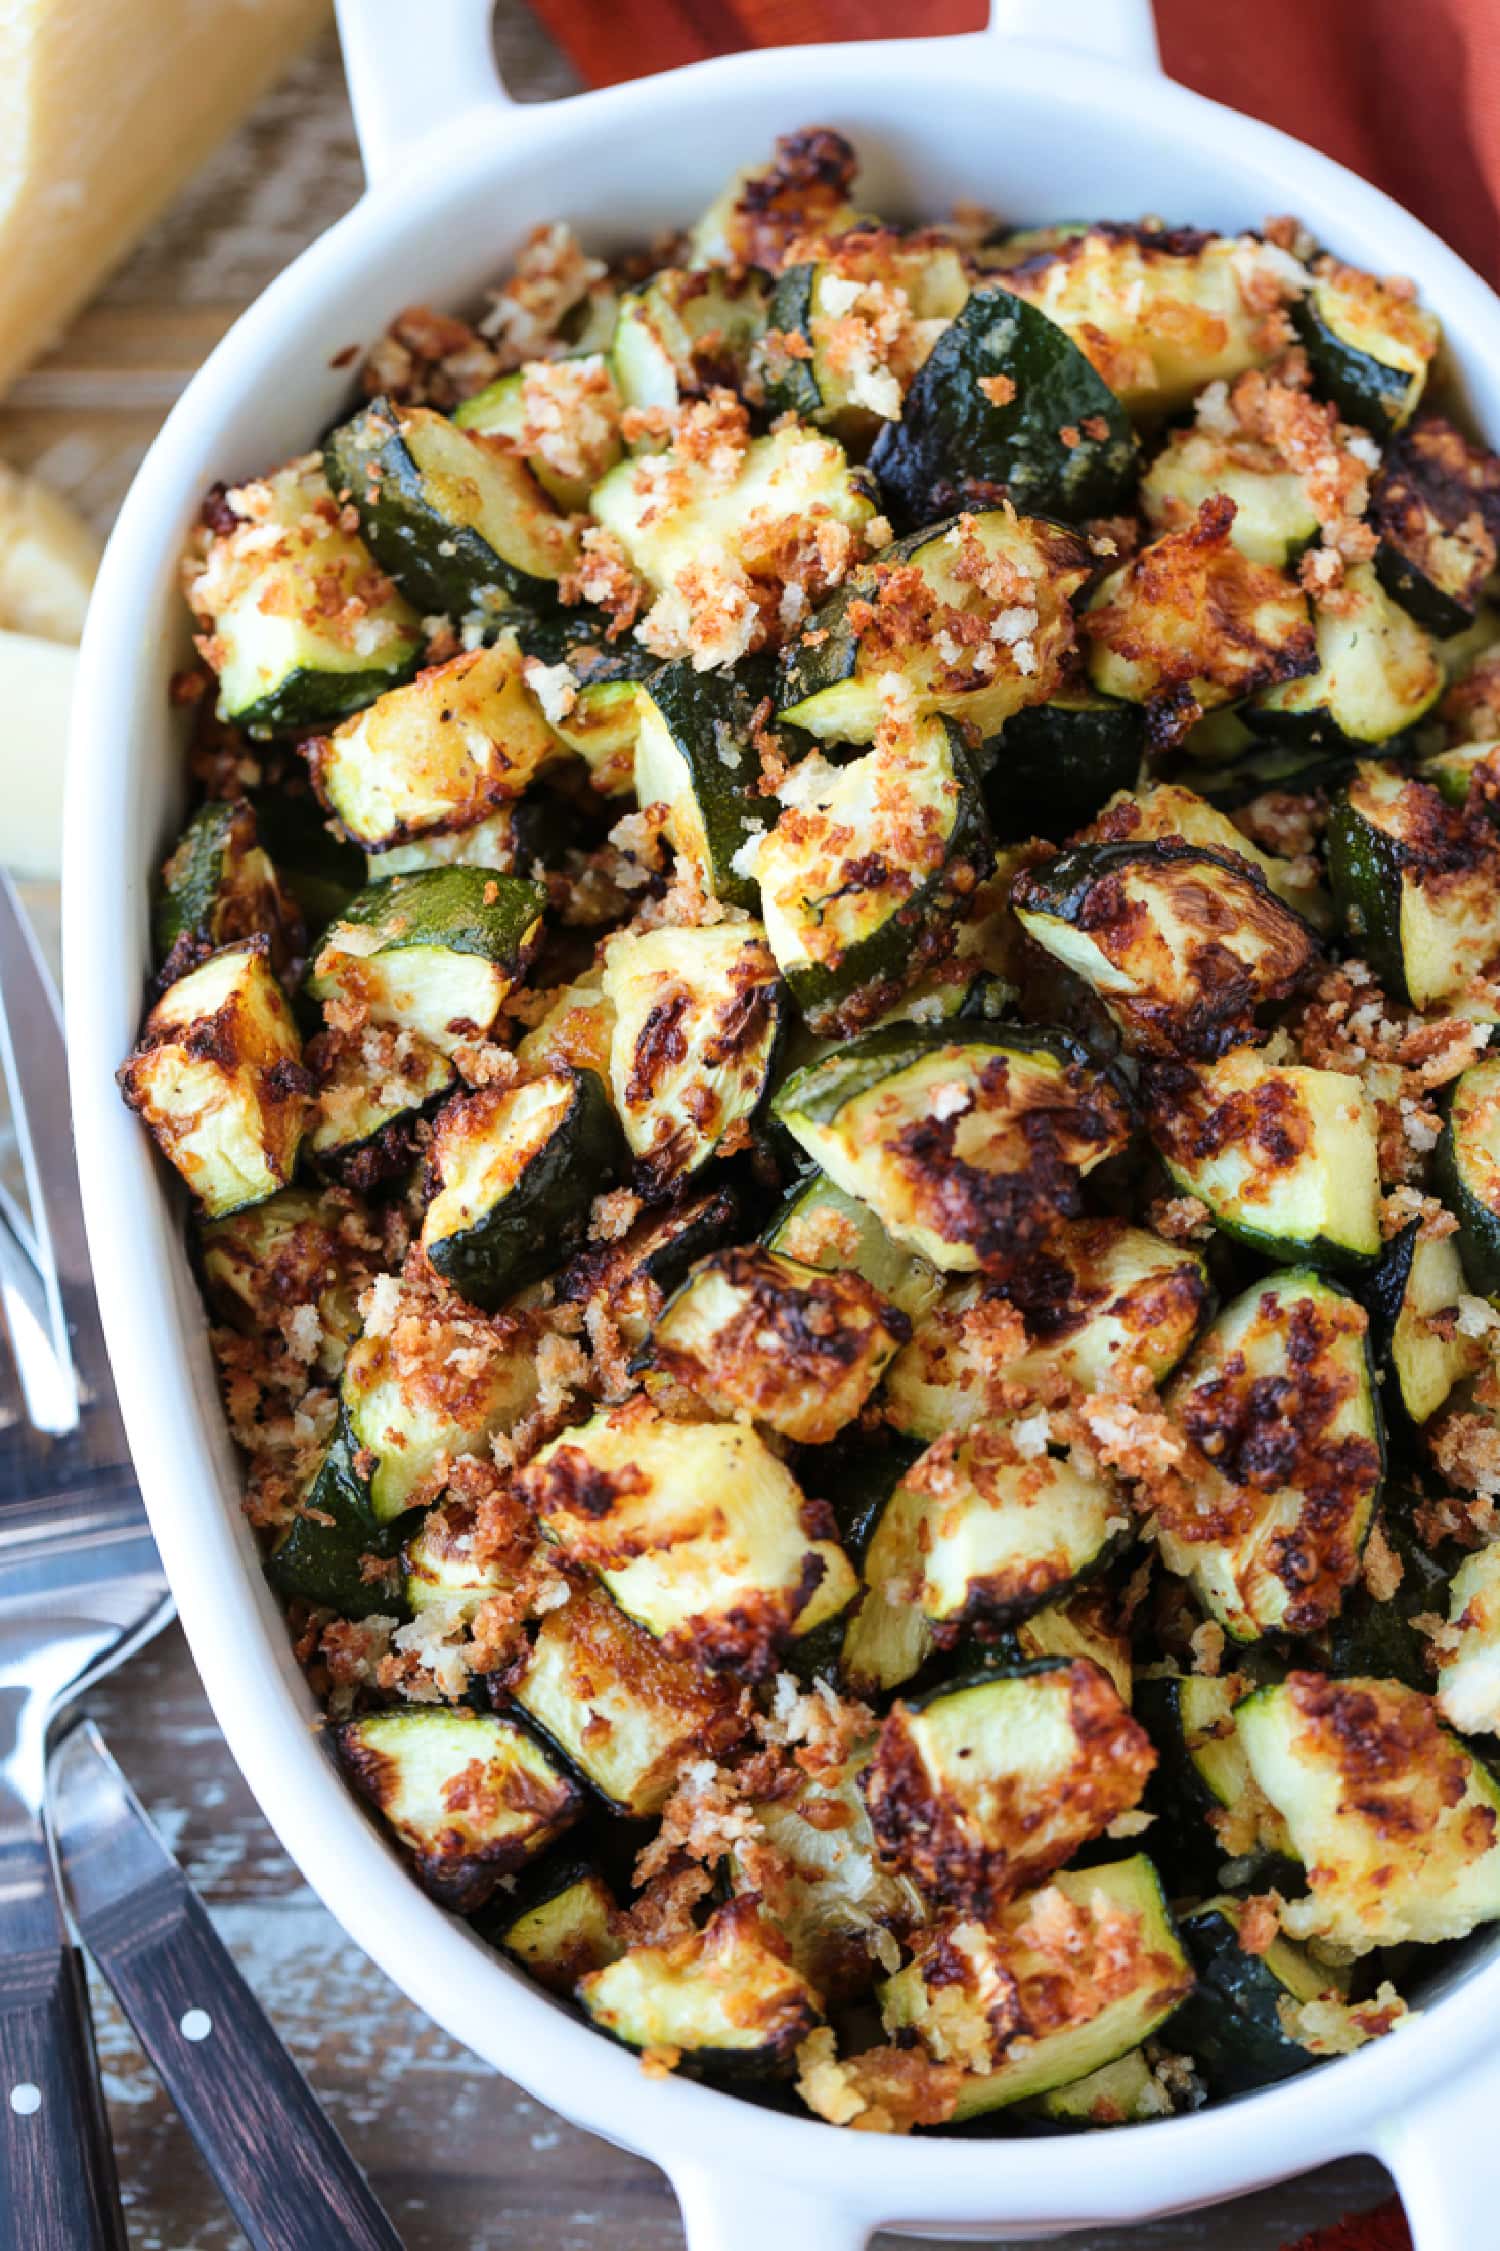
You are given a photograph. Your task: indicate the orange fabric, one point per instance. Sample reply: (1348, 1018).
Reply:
(1407, 95)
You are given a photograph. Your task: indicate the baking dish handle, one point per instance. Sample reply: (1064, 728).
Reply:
(1445, 2155)
(725, 2211)
(1115, 31)
(414, 72)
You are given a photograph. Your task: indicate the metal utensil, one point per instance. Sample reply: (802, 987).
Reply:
(80, 1586)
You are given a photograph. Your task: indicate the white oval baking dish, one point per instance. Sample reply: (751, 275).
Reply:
(1058, 109)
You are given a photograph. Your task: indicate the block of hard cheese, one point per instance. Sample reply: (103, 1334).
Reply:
(106, 107)
(36, 688)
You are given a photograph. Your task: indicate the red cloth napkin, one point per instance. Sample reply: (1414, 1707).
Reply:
(1407, 96)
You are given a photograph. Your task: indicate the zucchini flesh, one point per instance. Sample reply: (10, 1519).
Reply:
(433, 953)
(1279, 1400)
(1369, 349)
(294, 1249)
(217, 885)
(842, 344)
(1375, 674)
(571, 1930)
(694, 755)
(1274, 516)
(1240, 2024)
(1165, 810)
(1416, 884)
(442, 1568)
(568, 408)
(684, 333)
(721, 1998)
(819, 1225)
(1208, 1810)
(1412, 1300)
(407, 1423)
(365, 1110)
(1394, 1819)
(1436, 508)
(888, 1639)
(1467, 1166)
(1468, 1685)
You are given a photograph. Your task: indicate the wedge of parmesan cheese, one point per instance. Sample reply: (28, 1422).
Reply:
(36, 689)
(106, 107)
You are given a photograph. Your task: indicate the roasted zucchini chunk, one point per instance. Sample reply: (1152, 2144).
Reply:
(1393, 1818)
(561, 416)
(262, 1264)
(516, 1170)
(697, 1530)
(1008, 1528)
(1468, 1652)
(763, 210)
(1284, 1157)
(434, 953)
(972, 615)
(848, 330)
(1160, 312)
(568, 1927)
(1007, 401)
(627, 1717)
(369, 1090)
(1412, 1300)
(320, 872)
(672, 512)
(573, 1031)
(966, 1142)
(508, 841)
(752, 1332)
(636, 1274)
(979, 1790)
(301, 627)
(603, 715)
(886, 1639)
(1375, 673)
(1274, 517)
(694, 755)
(1122, 2093)
(685, 333)
(1069, 2014)
(1436, 508)
(457, 519)
(820, 1226)
(1056, 763)
(1208, 1808)
(1164, 810)
(1466, 775)
(725, 1998)
(1183, 946)
(1368, 345)
(415, 1396)
(1242, 2024)
(1279, 1404)
(697, 1017)
(1191, 624)
(1417, 884)
(453, 1565)
(1468, 1172)
(218, 885)
(217, 1075)
(867, 866)
(469, 1796)
(1385, 1637)
(437, 755)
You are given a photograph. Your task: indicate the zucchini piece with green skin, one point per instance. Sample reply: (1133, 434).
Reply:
(1436, 508)
(695, 756)
(887, 1640)
(437, 755)
(320, 870)
(968, 1962)
(1368, 349)
(458, 520)
(1468, 1656)
(302, 627)
(460, 1841)
(724, 1999)
(984, 1787)
(299, 1248)
(508, 842)
(1101, 1301)
(603, 722)
(937, 609)
(866, 866)
(516, 1170)
(697, 1021)
(1162, 311)
(1083, 1625)
(685, 333)
(1238, 2024)
(1117, 2094)
(1207, 1808)
(761, 211)
(824, 309)
(1274, 515)
(697, 1530)
(441, 1570)
(1183, 946)
(1412, 1300)
(434, 953)
(800, 1351)
(1382, 1636)
(821, 1226)
(989, 408)
(1280, 1402)
(327, 1553)
(1055, 764)
(966, 1141)
(568, 1926)
(1376, 674)
(370, 1090)
(637, 1274)
(1352, 1765)
(1284, 1157)
(218, 1079)
(574, 398)
(218, 884)
(408, 1414)
(1167, 810)
(1467, 1172)
(1467, 775)
(624, 1715)
(1415, 882)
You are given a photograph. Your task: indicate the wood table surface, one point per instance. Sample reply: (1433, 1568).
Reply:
(462, 2160)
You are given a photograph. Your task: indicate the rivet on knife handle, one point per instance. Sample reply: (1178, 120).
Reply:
(283, 2170)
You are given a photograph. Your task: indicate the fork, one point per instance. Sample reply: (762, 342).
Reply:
(81, 1587)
